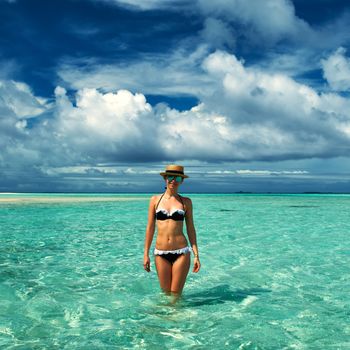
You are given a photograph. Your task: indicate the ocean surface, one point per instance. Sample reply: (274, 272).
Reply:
(275, 274)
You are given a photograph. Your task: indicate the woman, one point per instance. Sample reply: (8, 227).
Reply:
(172, 253)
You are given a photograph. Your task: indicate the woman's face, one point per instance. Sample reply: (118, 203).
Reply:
(173, 181)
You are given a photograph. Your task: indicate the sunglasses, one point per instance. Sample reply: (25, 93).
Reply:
(176, 178)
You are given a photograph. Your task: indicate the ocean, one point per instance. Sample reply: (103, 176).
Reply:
(275, 274)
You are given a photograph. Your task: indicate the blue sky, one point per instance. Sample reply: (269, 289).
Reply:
(249, 95)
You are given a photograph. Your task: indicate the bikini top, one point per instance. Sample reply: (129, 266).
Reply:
(176, 215)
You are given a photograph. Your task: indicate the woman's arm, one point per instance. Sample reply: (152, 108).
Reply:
(149, 234)
(191, 232)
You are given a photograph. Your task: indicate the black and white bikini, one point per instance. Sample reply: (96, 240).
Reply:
(176, 215)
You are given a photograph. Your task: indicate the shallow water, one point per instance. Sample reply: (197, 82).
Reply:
(275, 275)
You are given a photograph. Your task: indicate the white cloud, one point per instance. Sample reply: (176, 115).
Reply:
(19, 100)
(172, 74)
(17, 106)
(336, 70)
(111, 125)
(274, 112)
(130, 171)
(271, 20)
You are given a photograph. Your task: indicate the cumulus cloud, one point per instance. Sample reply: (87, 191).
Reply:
(115, 126)
(336, 70)
(274, 110)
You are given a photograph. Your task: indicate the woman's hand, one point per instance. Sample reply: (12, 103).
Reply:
(196, 265)
(147, 263)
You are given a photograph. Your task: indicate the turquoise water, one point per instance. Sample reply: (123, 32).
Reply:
(275, 275)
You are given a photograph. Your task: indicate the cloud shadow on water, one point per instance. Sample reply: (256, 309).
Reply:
(221, 294)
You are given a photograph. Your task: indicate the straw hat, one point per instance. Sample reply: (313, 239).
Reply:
(173, 169)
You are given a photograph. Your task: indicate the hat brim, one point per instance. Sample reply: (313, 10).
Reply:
(174, 174)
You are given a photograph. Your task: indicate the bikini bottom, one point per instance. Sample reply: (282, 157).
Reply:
(172, 255)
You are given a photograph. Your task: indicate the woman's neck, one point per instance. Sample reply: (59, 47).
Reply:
(170, 193)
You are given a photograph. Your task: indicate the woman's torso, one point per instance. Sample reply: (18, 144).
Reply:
(171, 213)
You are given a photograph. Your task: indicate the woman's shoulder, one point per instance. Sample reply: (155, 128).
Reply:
(155, 197)
(187, 200)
